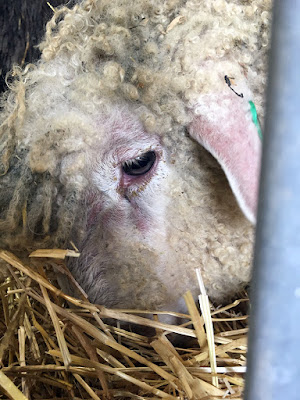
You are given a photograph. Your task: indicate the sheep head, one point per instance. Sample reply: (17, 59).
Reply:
(108, 141)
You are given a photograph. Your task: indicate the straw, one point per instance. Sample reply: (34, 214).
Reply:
(56, 346)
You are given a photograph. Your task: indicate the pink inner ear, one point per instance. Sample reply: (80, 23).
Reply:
(225, 128)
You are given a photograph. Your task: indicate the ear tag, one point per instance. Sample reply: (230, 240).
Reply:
(255, 119)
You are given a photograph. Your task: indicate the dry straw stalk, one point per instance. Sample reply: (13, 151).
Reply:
(56, 346)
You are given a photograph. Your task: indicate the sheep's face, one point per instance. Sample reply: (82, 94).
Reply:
(154, 206)
(157, 208)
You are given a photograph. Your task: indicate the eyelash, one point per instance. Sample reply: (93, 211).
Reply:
(140, 165)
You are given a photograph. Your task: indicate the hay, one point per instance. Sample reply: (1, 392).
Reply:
(54, 346)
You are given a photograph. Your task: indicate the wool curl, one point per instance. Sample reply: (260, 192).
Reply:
(146, 53)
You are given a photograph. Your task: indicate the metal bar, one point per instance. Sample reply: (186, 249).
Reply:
(274, 343)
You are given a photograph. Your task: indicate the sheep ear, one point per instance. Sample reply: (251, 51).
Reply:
(227, 126)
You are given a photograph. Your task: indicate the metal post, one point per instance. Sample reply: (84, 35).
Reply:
(274, 344)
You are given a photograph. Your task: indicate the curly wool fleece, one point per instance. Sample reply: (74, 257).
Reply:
(137, 76)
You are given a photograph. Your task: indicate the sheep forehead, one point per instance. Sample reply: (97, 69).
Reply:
(121, 125)
(121, 136)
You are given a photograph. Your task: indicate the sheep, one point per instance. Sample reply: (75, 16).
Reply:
(136, 137)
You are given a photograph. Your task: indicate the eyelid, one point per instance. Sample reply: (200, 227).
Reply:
(140, 165)
(136, 181)
(130, 155)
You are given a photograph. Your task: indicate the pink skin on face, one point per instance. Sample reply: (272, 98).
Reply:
(127, 140)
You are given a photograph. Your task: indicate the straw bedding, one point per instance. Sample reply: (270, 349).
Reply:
(54, 346)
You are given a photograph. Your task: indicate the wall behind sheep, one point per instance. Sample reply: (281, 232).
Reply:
(22, 26)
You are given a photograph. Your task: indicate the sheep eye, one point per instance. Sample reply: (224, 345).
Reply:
(140, 165)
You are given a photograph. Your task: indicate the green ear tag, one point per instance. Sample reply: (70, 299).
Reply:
(255, 119)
